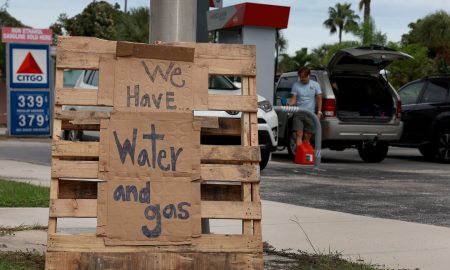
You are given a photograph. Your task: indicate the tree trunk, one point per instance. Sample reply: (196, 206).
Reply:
(366, 11)
(340, 35)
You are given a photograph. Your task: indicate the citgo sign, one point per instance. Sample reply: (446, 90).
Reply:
(29, 67)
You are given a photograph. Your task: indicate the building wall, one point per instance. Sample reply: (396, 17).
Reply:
(264, 39)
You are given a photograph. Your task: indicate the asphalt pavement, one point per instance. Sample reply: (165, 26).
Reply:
(404, 186)
(393, 243)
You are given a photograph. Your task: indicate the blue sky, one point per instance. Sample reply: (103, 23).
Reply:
(305, 23)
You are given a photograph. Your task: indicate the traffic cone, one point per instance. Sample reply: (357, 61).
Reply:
(304, 154)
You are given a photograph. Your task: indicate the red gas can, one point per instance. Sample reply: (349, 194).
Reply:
(304, 154)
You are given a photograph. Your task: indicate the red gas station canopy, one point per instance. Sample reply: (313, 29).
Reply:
(249, 14)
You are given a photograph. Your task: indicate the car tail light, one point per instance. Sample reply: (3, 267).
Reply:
(398, 113)
(329, 107)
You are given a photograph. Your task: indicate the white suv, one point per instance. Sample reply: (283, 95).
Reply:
(267, 118)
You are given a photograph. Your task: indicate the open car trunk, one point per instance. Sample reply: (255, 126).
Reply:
(362, 98)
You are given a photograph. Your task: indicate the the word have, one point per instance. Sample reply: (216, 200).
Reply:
(172, 75)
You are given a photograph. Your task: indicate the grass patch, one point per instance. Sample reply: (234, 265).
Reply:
(287, 259)
(16, 194)
(20, 260)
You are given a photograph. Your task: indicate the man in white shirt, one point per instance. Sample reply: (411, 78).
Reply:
(306, 94)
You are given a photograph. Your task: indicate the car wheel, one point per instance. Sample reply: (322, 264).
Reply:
(265, 157)
(442, 146)
(292, 144)
(73, 135)
(427, 151)
(373, 153)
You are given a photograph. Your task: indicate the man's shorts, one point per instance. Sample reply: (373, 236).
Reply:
(303, 122)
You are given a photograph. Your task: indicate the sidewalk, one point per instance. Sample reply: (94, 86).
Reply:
(395, 244)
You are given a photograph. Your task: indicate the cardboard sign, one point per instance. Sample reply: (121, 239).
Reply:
(153, 85)
(150, 144)
(151, 210)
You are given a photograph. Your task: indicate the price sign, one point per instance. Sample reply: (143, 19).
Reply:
(30, 113)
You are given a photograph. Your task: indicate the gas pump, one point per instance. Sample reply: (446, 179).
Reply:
(253, 24)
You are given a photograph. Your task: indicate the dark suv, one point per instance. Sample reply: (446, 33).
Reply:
(360, 108)
(426, 116)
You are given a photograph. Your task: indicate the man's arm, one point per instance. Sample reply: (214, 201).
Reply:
(293, 100)
(319, 105)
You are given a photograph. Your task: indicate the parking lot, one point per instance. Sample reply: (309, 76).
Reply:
(404, 186)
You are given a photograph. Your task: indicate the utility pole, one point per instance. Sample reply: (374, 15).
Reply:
(126, 2)
(173, 20)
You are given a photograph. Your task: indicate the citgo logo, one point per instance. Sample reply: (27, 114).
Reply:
(29, 70)
(29, 66)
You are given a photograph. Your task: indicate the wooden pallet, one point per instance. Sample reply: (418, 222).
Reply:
(229, 173)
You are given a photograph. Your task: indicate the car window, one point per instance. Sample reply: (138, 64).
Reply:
(70, 77)
(221, 83)
(285, 85)
(436, 91)
(91, 77)
(410, 93)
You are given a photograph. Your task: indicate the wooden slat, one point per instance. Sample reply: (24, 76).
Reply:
(71, 189)
(153, 260)
(82, 117)
(207, 122)
(239, 173)
(73, 208)
(81, 120)
(225, 59)
(89, 127)
(211, 153)
(150, 51)
(205, 243)
(106, 81)
(231, 210)
(227, 127)
(232, 103)
(215, 192)
(247, 225)
(255, 190)
(80, 60)
(78, 169)
(85, 44)
(75, 149)
(56, 136)
(75, 97)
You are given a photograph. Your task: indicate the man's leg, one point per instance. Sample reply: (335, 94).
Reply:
(299, 137)
(307, 138)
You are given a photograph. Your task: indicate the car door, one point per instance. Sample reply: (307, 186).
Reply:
(283, 94)
(431, 102)
(409, 96)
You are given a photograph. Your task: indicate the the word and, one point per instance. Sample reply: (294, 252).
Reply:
(156, 212)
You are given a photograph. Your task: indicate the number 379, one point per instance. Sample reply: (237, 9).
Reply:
(25, 120)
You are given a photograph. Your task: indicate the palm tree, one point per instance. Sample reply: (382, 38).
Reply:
(341, 18)
(366, 38)
(366, 5)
